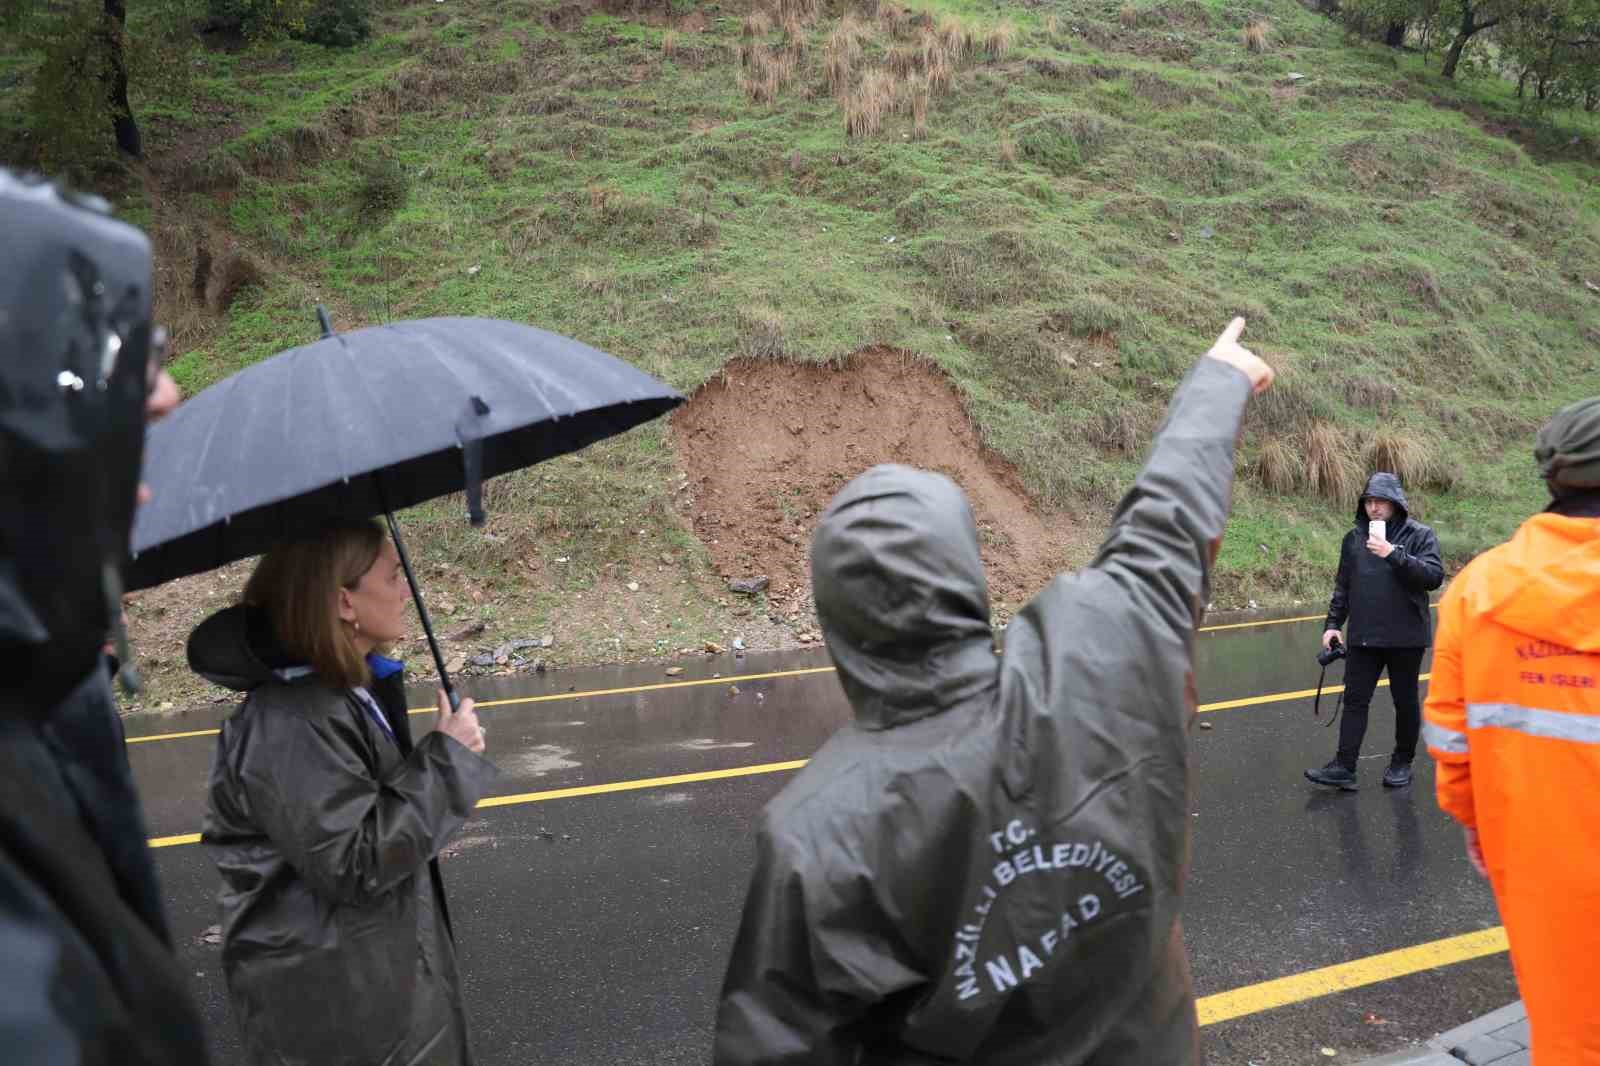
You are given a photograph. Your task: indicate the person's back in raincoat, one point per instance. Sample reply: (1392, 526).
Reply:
(1513, 721)
(89, 971)
(987, 865)
(325, 819)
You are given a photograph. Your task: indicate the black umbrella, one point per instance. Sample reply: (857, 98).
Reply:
(363, 423)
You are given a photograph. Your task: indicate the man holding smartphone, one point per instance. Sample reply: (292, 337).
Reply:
(1388, 564)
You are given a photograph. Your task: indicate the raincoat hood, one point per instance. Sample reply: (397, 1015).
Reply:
(901, 595)
(1384, 486)
(1544, 580)
(75, 352)
(235, 648)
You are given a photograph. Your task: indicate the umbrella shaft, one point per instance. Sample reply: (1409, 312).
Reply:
(422, 610)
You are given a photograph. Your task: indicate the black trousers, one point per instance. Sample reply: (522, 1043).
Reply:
(1361, 670)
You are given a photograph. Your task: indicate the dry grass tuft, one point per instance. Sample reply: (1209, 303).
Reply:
(801, 11)
(956, 38)
(894, 18)
(669, 43)
(904, 59)
(1008, 149)
(1331, 470)
(1409, 457)
(1129, 17)
(999, 40)
(794, 32)
(840, 55)
(760, 333)
(1255, 35)
(757, 25)
(865, 110)
(1279, 467)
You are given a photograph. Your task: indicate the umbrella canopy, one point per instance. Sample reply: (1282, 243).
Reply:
(363, 423)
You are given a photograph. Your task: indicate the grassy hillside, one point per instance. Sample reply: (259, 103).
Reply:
(1058, 204)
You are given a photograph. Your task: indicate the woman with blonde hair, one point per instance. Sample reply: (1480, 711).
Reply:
(326, 820)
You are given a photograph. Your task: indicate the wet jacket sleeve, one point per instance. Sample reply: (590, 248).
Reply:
(1444, 716)
(1421, 570)
(1167, 529)
(1339, 604)
(351, 836)
(806, 968)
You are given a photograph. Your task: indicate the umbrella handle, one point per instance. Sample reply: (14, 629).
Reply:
(422, 608)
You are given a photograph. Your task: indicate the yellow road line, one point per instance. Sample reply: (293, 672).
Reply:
(1281, 697)
(1276, 622)
(1268, 622)
(646, 782)
(731, 679)
(1297, 988)
(173, 736)
(737, 771)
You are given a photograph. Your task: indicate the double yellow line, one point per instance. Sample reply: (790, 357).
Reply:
(736, 771)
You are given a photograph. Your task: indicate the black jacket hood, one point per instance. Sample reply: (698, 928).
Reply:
(235, 648)
(1384, 486)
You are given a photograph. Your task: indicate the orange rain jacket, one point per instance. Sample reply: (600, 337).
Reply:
(1513, 721)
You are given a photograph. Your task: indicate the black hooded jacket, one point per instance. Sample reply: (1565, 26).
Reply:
(987, 865)
(89, 974)
(1386, 600)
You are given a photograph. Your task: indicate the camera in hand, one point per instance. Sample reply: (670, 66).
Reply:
(1331, 654)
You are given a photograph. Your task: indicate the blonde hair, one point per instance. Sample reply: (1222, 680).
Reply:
(298, 583)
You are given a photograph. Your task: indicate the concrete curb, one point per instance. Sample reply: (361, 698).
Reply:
(1499, 1038)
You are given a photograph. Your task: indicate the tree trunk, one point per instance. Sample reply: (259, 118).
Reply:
(122, 120)
(1395, 36)
(1522, 82)
(1452, 57)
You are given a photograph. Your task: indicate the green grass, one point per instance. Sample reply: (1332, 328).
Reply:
(1105, 196)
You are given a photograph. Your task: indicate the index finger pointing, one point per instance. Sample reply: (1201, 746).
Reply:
(1235, 328)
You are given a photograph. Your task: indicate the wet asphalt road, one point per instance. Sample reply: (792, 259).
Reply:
(593, 929)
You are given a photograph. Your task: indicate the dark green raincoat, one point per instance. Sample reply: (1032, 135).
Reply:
(987, 866)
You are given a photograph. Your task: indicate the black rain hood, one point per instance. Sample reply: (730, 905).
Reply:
(236, 648)
(1384, 486)
(901, 595)
(75, 309)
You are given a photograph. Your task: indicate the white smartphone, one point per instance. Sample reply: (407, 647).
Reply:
(1378, 528)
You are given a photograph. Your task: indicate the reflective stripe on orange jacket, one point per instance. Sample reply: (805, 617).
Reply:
(1513, 721)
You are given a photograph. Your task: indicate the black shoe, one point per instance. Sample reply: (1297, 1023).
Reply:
(1398, 775)
(1334, 776)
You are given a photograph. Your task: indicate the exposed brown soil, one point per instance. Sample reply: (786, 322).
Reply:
(768, 443)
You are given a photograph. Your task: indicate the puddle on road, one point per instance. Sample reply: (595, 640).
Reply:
(708, 744)
(537, 761)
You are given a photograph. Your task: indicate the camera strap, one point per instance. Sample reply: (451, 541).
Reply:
(1316, 704)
